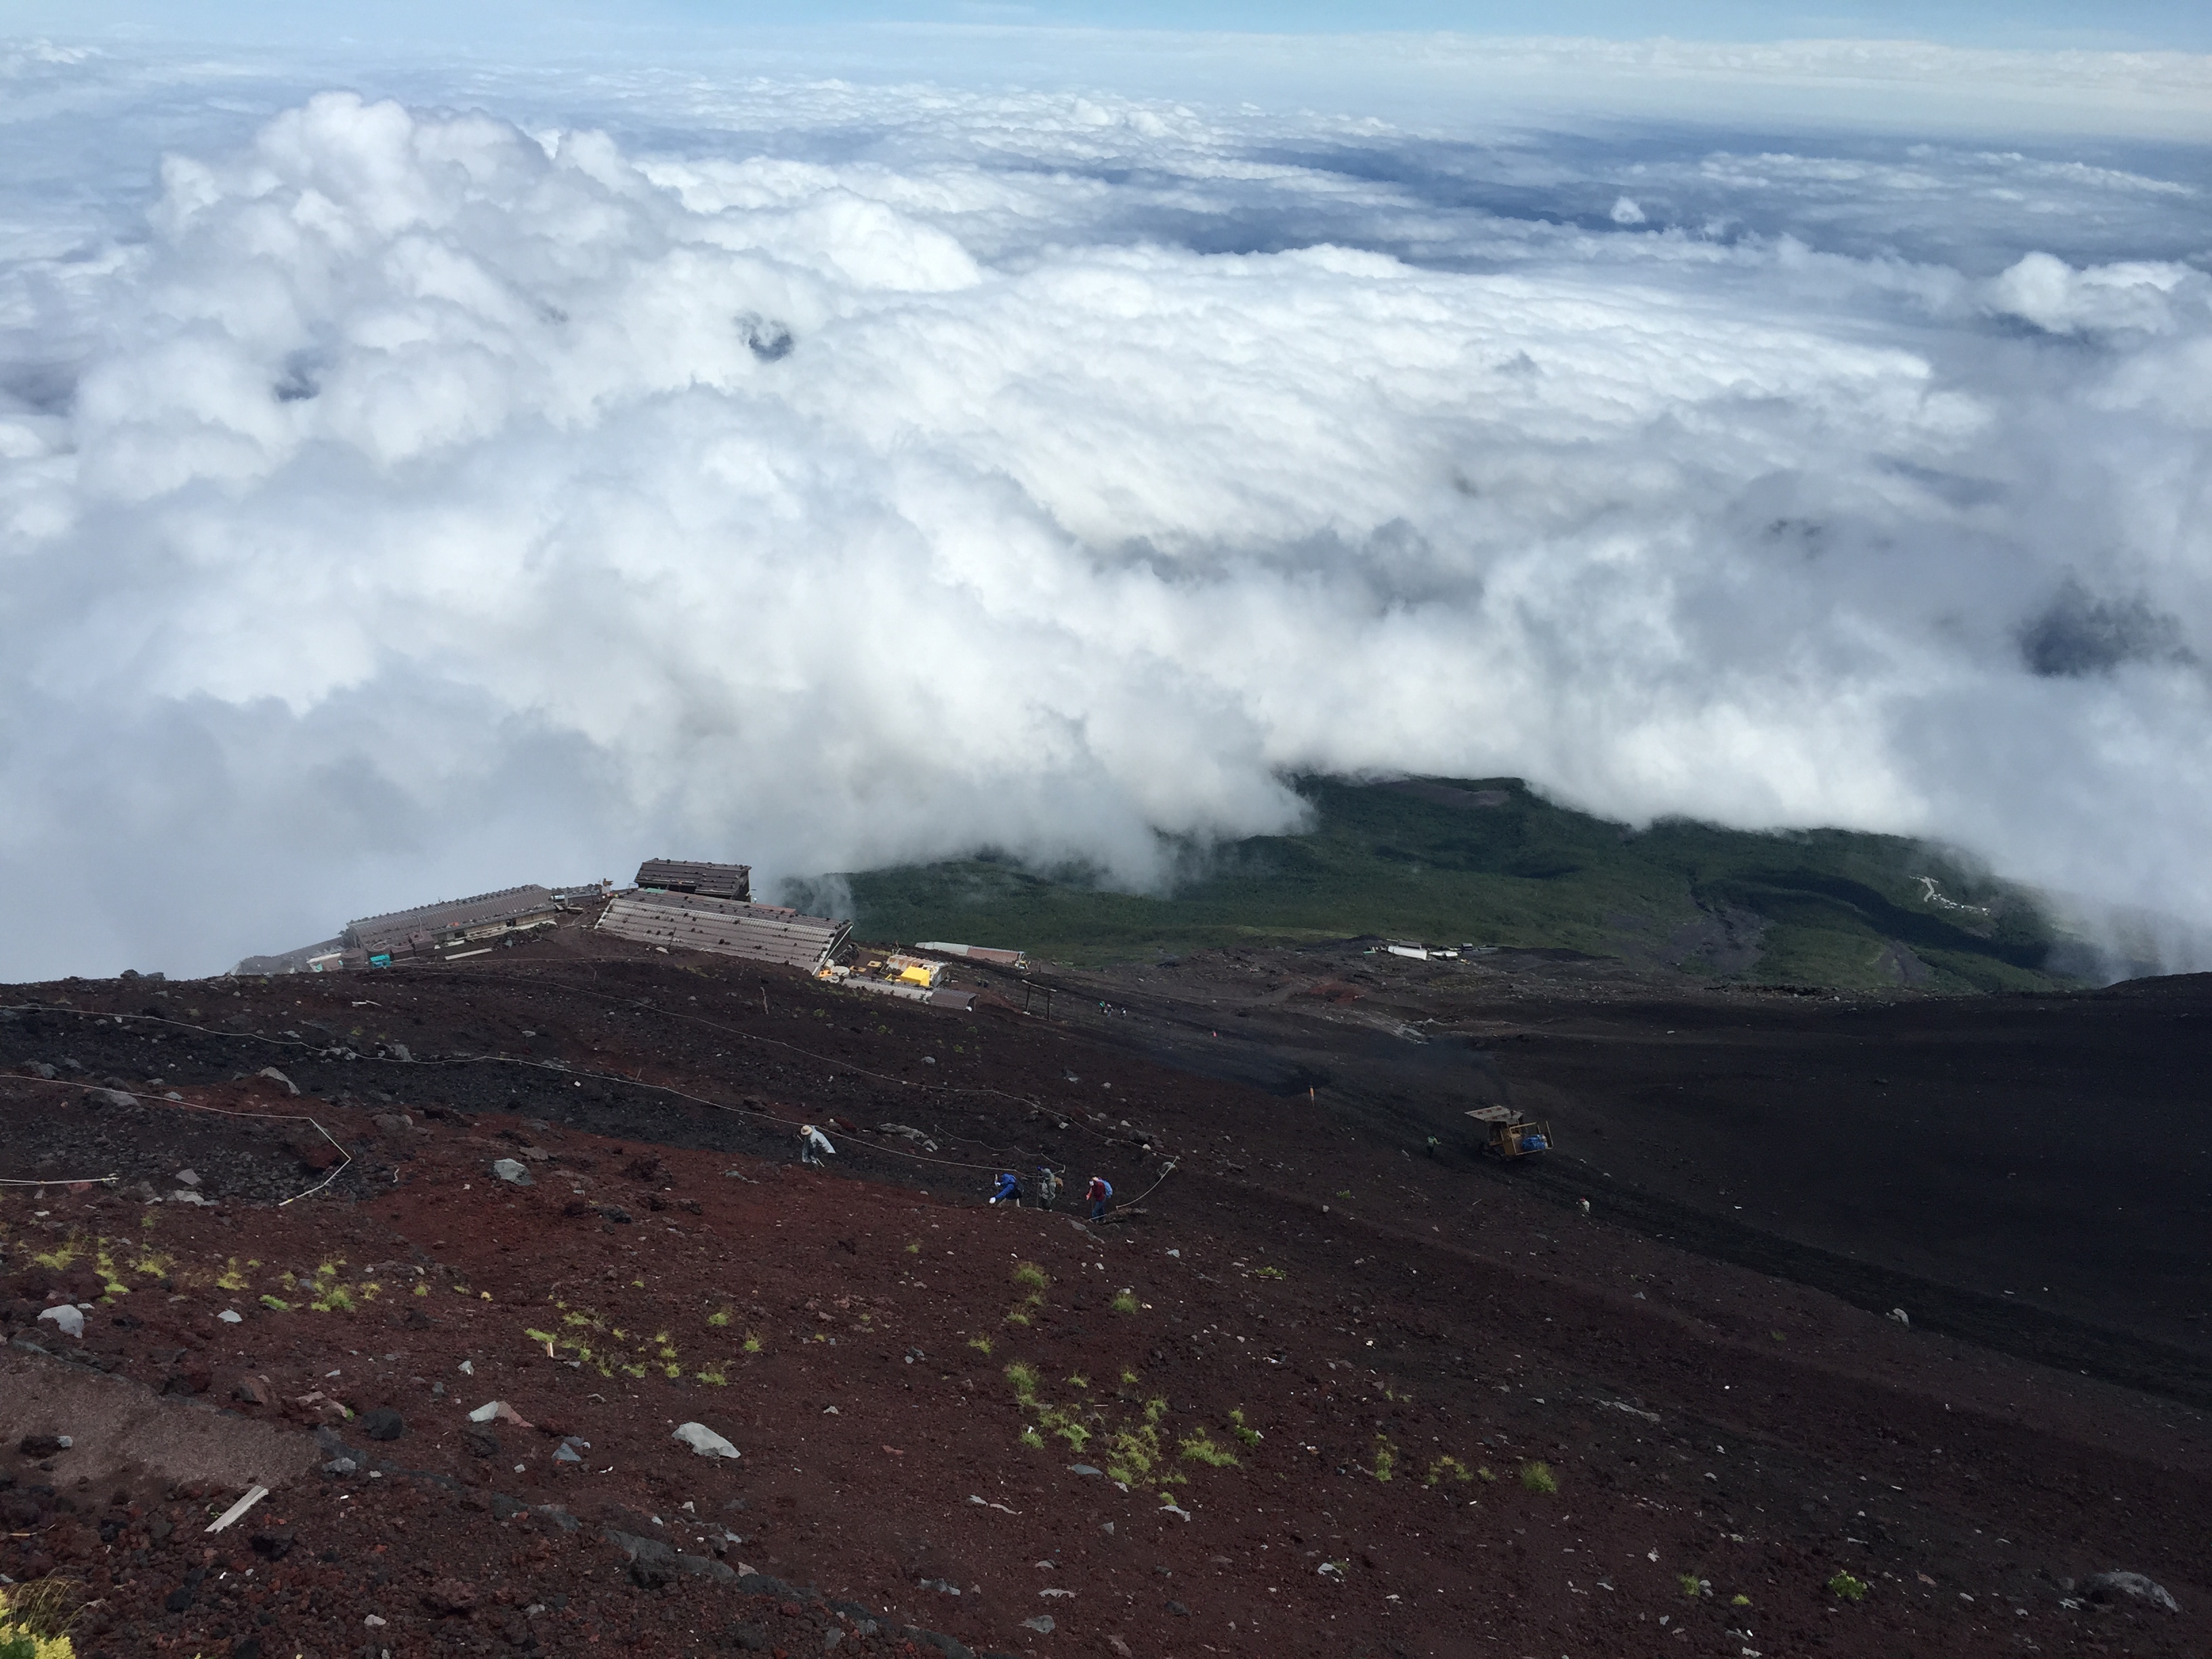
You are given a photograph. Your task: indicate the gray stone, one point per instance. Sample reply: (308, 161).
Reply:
(703, 1440)
(2106, 1586)
(512, 1172)
(67, 1317)
(1042, 1623)
(278, 1077)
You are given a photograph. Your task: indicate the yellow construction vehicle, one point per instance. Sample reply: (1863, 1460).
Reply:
(1511, 1135)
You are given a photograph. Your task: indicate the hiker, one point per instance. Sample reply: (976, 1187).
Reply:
(812, 1141)
(1098, 1192)
(1047, 1187)
(1432, 1146)
(1010, 1188)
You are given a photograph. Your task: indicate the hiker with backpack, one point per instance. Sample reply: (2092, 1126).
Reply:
(1100, 1192)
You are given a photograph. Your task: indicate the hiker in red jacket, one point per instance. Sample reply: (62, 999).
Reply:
(1098, 1192)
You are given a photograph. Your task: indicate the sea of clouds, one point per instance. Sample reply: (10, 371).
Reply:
(416, 482)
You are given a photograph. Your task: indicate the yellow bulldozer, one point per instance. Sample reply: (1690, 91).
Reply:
(1510, 1134)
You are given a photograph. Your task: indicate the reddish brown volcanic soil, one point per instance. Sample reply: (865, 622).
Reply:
(1400, 1339)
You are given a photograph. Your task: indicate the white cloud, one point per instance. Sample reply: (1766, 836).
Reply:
(410, 501)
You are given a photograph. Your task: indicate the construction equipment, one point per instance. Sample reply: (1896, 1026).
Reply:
(1512, 1135)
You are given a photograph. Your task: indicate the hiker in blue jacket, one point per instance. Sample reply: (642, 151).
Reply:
(1010, 1189)
(1100, 1192)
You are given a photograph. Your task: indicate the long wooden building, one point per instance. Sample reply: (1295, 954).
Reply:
(699, 921)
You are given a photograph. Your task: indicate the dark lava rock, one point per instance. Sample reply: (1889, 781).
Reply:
(750, 1639)
(382, 1423)
(274, 1543)
(41, 1445)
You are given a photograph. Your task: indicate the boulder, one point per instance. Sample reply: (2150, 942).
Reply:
(703, 1440)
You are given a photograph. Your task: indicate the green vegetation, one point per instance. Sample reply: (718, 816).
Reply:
(1487, 861)
(1199, 1448)
(1123, 1303)
(1849, 1588)
(1386, 1458)
(1242, 1430)
(1539, 1478)
(1030, 1276)
(35, 1618)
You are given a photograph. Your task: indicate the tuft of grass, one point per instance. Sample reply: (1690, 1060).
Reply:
(1078, 1380)
(718, 1319)
(1123, 1303)
(1242, 1430)
(1739, 1601)
(1199, 1448)
(422, 1288)
(1032, 1439)
(35, 1618)
(1690, 1582)
(913, 1249)
(276, 1304)
(711, 1377)
(230, 1279)
(1484, 1475)
(752, 1344)
(1386, 1458)
(1446, 1467)
(981, 1344)
(1849, 1588)
(1030, 1276)
(1538, 1478)
(1024, 1379)
(1267, 1272)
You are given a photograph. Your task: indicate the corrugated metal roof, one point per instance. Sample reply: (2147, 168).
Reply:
(397, 927)
(698, 921)
(729, 881)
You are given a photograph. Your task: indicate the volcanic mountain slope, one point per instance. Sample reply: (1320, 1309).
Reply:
(1316, 1396)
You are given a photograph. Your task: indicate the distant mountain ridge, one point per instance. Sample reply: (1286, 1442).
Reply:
(1488, 861)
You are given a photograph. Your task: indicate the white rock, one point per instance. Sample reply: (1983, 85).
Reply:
(67, 1316)
(703, 1440)
(231, 1316)
(509, 1170)
(1900, 1315)
(275, 1076)
(188, 1178)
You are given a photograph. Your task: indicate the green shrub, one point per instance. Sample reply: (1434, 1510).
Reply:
(1850, 1589)
(1123, 1303)
(1029, 1275)
(1538, 1478)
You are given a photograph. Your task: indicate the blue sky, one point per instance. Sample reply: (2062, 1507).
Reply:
(2123, 24)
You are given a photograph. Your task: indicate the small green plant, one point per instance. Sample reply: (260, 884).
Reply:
(1849, 1588)
(1386, 1458)
(980, 1344)
(1032, 1439)
(1446, 1467)
(1030, 1276)
(1538, 1478)
(1267, 1272)
(671, 1372)
(1128, 1379)
(1123, 1303)
(1200, 1448)
(1242, 1430)
(229, 1278)
(276, 1305)
(1484, 1475)
(913, 1249)
(35, 1618)
(718, 1319)
(1024, 1379)
(1739, 1601)
(1689, 1582)
(1345, 1193)
(713, 1377)
(421, 1288)
(1078, 1380)
(752, 1344)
